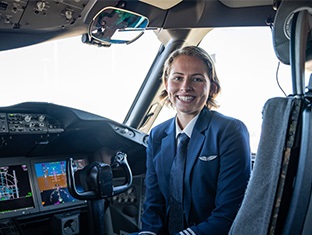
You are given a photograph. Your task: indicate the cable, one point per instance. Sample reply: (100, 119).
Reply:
(269, 22)
(279, 85)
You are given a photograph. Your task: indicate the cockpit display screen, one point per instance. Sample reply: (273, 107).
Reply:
(15, 190)
(52, 184)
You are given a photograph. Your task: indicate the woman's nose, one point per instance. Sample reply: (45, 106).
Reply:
(185, 85)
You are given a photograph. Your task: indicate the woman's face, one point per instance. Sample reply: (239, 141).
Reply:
(188, 85)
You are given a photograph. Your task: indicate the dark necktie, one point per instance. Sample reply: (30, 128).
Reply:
(176, 217)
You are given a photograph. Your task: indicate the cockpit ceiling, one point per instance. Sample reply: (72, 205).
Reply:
(60, 15)
(28, 22)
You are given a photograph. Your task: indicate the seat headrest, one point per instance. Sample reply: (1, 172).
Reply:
(282, 28)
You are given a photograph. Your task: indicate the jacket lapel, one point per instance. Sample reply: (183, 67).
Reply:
(195, 146)
(197, 139)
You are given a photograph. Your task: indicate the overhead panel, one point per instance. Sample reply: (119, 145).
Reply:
(39, 15)
(11, 13)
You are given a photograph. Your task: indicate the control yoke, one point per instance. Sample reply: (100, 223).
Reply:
(95, 185)
(96, 179)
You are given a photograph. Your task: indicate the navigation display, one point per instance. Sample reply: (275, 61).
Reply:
(16, 195)
(52, 184)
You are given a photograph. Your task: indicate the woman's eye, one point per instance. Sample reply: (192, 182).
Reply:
(197, 79)
(177, 78)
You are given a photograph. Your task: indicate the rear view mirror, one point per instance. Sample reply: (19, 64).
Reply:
(114, 25)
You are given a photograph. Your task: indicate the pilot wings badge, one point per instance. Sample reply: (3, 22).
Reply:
(208, 158)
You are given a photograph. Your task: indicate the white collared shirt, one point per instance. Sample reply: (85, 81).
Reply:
(189, 127)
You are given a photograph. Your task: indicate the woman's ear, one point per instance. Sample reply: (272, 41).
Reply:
(213, 89)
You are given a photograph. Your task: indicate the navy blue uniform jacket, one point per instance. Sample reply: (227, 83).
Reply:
(216, 175)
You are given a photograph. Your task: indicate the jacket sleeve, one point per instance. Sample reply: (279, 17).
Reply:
(154, 206)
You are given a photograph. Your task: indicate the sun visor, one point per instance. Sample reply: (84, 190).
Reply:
(282, 28)
(165, 5)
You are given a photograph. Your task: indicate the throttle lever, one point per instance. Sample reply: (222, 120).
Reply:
(97, 178)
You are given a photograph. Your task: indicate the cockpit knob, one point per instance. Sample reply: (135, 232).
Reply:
(68, 14)
(27, 118)
(40, 5)
(41, 118)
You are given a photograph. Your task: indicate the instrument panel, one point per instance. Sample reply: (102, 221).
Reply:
(28, 123)
(44, 129)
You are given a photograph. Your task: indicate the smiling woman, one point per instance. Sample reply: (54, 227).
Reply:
(213, 150)
(70, 73)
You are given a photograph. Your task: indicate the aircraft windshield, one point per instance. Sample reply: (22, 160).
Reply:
(67, 72)
(246, 65)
